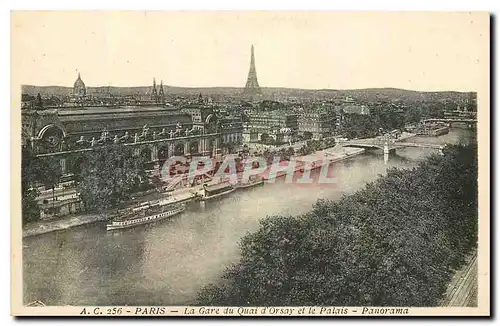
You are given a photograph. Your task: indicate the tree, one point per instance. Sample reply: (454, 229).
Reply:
(393, 243)
(30, 211)
(304, 150)
(358, 126)
(413, 115)
(50, 173)
(308, 135)
(157, 182)
(46, 171)
(110, 175)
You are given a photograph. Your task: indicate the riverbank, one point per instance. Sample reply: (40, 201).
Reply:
(413, 241)
(168, 263)
(333, 154)
(406, 135)
(41, 227)
(317, 160)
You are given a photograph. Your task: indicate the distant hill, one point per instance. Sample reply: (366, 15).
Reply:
(45, 90)
(368, 94)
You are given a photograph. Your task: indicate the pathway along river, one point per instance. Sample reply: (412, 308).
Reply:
(167, 263)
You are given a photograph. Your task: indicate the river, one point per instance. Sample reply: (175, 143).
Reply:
(168, 262)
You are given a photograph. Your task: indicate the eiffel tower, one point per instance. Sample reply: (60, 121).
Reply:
(252, 86)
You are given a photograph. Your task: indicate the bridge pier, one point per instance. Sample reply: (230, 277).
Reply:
(387, 152)
(386, 149)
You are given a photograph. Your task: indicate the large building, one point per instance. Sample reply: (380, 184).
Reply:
(263, 124)
(155, 132)
(79, 89)
(79, 92)
(198, 110)
(230, 125)
(316, 124)
(157, 95)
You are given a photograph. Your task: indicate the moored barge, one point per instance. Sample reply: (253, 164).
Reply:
(216, 190)
(252, 182)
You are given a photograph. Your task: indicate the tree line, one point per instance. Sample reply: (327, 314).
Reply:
(394, 243)
(104, 177)
(387, 117)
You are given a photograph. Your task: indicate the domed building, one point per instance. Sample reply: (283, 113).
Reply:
(79, 89)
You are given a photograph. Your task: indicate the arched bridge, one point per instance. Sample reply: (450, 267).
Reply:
(386, 145)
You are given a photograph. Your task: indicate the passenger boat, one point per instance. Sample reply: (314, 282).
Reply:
(216, 190)
(145, 213)
(256, 181)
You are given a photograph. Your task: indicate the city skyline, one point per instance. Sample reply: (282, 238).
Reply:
(225, 163)
(193, 49)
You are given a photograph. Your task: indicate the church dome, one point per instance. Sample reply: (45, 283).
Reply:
(79, 87)
(79, 83)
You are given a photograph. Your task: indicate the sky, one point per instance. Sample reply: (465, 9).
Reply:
(428, 51)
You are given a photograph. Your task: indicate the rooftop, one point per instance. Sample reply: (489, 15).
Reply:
(218, 186)
(113, 109)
